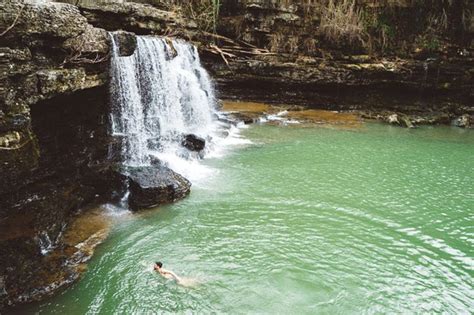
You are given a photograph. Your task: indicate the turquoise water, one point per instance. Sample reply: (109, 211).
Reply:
(303, 221)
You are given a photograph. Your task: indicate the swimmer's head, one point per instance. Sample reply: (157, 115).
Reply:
(159, 264)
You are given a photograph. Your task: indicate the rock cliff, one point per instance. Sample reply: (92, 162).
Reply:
(49, 52)
(376, 56)
(56, 155)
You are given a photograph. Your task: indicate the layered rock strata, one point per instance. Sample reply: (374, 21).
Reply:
(56, 156)
(400, 58)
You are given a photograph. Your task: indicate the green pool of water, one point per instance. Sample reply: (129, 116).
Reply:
(303, 221)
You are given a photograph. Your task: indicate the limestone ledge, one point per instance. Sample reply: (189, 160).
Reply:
(60, 81)
(135, 17)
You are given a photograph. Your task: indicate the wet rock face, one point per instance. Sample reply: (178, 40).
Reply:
(30, 233)
(37, 206)
(49, 50)
(126, 42)
(54, 264)
(193, 142)
(155, 185)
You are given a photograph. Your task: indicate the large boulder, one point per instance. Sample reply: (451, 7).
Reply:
(193, 142)
(154, 185)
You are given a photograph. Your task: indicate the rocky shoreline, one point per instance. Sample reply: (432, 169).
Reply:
(57, 157)
(255, 112)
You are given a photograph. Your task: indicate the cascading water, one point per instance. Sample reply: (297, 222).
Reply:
(159, 94)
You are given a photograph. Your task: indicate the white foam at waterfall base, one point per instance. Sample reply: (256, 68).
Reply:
(159, 94)
(223, 145)
(192, 168)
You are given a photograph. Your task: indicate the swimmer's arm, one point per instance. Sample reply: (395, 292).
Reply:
(171, 273)
(174, 275)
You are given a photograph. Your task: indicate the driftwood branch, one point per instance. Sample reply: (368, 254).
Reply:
(237, 43)
(253, 52)
(14, 21)
(17, 147)
(222, 54)
(76, 55)
(78, 58)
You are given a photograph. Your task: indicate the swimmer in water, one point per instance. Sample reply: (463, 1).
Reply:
(168, 274)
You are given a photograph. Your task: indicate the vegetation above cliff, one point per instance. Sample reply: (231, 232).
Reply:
(390, 27)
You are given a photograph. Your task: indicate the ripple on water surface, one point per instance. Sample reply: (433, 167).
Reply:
(376, 220)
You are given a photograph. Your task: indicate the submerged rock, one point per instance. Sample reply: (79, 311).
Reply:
(154, 185)
(193, 142)
(400, 120)
(406, 122)
(463, 121)
(393, 119)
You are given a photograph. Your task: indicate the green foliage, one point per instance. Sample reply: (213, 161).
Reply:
(428, 42)
(380, 30)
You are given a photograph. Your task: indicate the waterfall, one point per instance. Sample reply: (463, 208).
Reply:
(159, 93)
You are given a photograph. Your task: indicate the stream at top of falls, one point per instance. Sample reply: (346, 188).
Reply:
(301, 221)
